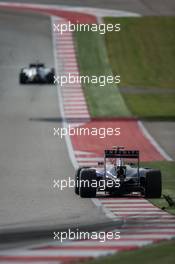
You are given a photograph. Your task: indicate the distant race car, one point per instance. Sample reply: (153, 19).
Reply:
(118, 177)
(37, 74)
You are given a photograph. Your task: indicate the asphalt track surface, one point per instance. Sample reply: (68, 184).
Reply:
(31, 157)
(145, 7)
(29, 150)
(27, 120)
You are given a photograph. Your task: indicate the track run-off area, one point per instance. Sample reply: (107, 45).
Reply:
(141, 223)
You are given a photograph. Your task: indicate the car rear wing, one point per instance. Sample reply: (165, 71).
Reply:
(118, 153)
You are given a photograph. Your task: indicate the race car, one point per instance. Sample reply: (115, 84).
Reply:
(37, 74)
(118, 176)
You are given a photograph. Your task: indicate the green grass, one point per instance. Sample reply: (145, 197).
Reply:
(152, 106)
(102, 101)
(143, 53)
(156, 254)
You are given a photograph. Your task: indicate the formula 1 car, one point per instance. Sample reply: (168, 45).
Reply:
(118, 177)
(36, 74)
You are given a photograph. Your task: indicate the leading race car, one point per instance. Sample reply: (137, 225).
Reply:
(36, 74)
(118, 177)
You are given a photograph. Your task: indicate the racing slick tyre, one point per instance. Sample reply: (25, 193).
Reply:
(87, 178)
(50, 77)
(77, 178)
(22, 78)
(153, 184)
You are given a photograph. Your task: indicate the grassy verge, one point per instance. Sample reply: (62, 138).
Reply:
(143, 54)
(152, 106)
(156, 254)
(103, 101)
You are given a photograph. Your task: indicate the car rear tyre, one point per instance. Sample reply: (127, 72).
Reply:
(22, 79)
(50, 77)
(87, 179)
(153, 184)
(77, 179)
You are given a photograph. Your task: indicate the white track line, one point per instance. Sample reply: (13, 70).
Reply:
(153, 142)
